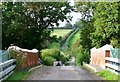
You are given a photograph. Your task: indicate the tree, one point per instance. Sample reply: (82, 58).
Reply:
(25, 24)
(103, 20)
(106, 24)
(100, 21)
(86, 21)
(85, 34)
(86, 9)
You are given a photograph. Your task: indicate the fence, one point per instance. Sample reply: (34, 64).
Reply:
(3, 56)
(6, 69)
(113, 62)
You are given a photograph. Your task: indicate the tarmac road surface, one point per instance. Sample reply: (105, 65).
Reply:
(62, 73)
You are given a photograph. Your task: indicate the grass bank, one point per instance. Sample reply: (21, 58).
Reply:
(74, 38)
(108, 75)
(71, 40)
(18, 75)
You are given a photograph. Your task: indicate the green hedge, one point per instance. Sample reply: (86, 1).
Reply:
(19, 58)
(81, 54)
(71, 36)
(64, 58)
(51, 55)
(55, 53)
(65, 38)
(48, 60)
(54, 45)
(82, 57)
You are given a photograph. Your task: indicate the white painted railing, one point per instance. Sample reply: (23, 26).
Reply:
(6, 68)
(113, 63)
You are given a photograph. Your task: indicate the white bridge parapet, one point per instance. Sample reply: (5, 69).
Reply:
(113, 63)
(18, 49)
(6, 69)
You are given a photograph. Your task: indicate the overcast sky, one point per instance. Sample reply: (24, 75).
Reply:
(75, 18)
(75, 15)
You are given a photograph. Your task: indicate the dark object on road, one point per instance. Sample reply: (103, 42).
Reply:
(58, 64)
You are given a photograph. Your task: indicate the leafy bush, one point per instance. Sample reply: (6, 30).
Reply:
(63, 58)
(79, 56)
(18, 56)
(54, 45)
(48, 60)
(83, 56)
(115, 42)
(55, 53)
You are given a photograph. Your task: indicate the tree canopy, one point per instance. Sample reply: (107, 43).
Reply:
(100, 25)
(103, 20)
(26, 24)
(106, 24)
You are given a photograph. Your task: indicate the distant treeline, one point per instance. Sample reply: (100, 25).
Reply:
(61, 28)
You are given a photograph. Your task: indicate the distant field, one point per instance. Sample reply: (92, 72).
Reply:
(61, 32)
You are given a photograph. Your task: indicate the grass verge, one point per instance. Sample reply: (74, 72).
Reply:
(18, 75)
(108, 75)
(74, 38)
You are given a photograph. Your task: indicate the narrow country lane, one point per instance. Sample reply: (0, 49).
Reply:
(62, 73)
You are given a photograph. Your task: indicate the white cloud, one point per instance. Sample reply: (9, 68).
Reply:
(75, 18)
(72, 3)
(75, 15)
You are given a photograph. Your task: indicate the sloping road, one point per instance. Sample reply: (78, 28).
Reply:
(62, 73)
